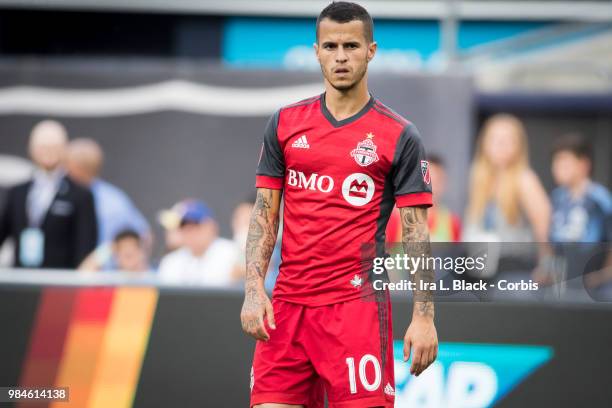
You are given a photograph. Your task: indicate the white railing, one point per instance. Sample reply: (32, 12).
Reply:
(72, 278)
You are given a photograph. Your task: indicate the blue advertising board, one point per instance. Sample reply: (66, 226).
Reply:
(287, 42)
(466, 374)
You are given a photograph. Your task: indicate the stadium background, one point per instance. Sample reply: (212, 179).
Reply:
(175, 94)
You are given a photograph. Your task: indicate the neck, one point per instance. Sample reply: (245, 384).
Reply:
(49, 172)
(344, 104)
(578, 188)
(199, 250)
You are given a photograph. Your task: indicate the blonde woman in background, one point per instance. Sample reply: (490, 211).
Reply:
(507, 202)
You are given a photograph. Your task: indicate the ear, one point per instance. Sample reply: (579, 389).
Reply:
(315, 47)
(372, 47)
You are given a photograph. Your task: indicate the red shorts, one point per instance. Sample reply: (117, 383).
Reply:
(344, 349)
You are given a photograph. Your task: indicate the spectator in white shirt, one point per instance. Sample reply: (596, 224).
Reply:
(204, 259)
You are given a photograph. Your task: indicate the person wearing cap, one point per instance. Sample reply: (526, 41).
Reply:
(204, 259)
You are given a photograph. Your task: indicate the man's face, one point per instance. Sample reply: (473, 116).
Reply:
(47, 144)
(47, 153)
(78, 172)
(197, 237)
(568, 169)
(343, 53)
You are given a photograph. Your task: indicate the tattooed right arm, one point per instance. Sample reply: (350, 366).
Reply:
(263, 229)
(261, 239)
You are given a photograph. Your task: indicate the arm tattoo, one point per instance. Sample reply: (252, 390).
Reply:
(261, 238)
(415, 239)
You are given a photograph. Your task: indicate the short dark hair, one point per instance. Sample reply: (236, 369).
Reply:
(574, 143)
(345, 11)
(126, 234)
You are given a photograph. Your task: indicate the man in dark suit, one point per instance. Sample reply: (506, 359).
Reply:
(50, 218)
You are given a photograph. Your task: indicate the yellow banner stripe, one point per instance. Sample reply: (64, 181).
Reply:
(123, 348)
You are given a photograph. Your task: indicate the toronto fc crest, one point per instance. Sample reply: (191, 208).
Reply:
(365, 152)
(425, 171)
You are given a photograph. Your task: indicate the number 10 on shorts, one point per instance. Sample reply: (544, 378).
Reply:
(363, 363)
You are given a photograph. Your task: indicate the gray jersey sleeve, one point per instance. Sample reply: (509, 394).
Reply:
(411, 179)
(271, 167)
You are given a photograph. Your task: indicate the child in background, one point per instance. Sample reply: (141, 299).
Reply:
(582, 211)
(126, 253)
(581, 207)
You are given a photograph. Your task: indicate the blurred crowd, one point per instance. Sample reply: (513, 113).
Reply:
(551, 238)
(66, 216)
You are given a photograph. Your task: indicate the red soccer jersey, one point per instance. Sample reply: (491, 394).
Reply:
(340, 180)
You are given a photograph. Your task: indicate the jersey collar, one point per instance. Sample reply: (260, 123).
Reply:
(337, 123)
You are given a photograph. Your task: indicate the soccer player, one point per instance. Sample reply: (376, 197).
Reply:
(341, 160)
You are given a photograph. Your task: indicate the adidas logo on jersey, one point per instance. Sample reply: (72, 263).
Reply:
(389, 389)
(301, 143)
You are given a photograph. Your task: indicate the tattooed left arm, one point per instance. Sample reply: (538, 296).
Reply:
(421, 338)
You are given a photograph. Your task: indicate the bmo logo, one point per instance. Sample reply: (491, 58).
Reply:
(314, 182)
(358, 189)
